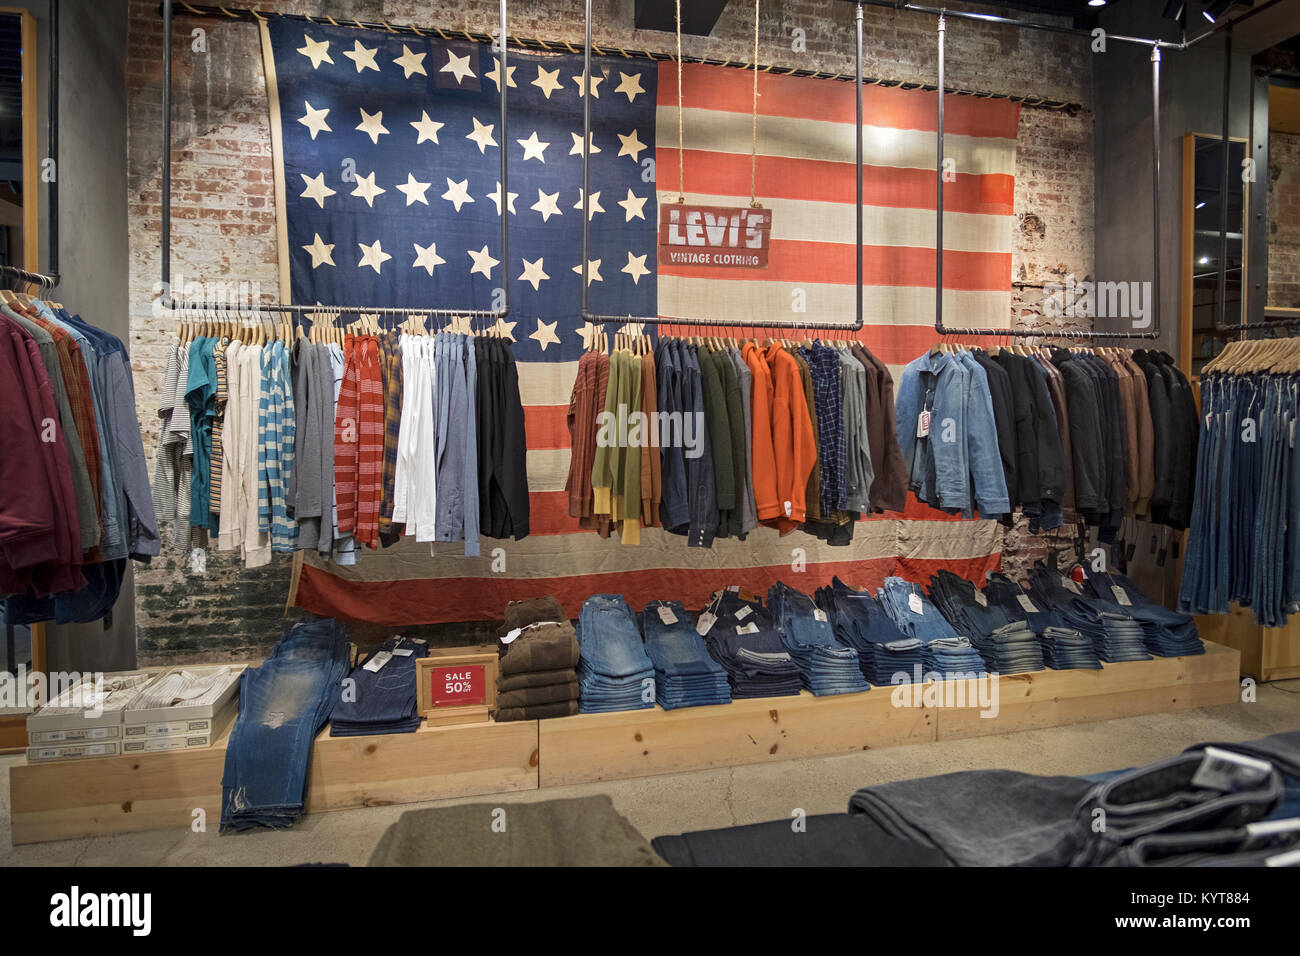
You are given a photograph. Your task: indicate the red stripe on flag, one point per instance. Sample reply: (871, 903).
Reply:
(546, 426)
(801, 261)
(892, 344)
(727, 174)
(707, 87)
(444, 600)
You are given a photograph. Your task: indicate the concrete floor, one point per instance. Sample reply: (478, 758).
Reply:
(705, 799)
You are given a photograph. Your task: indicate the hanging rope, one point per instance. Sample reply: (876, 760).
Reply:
(753, 133)
(681, 149)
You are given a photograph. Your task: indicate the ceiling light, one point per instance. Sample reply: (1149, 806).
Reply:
(1096, 3)
(1215, 10)
(1173, 9)
(1200, 204)
(1204, 260)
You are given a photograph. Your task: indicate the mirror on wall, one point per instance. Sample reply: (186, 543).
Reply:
(1213, 258)
(1283, 181)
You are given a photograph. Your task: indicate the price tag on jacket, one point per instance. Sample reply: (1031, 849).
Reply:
(743, 612)
(705, 623)
(923, 424)
(378, 661)
(914, 603)
(666, 614)
(1120, 595)
(1027, 604)
(819, 614)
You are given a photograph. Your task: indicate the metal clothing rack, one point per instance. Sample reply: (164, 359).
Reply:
(1027, 100)
(258, 310)
(587, 316)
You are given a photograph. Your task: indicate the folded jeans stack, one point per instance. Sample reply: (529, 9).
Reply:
(946, 651)
(1066, 649)
(382, 696)
(1167, 633)
(885, 654)
(282, 705)
(746, 643)
(1002, 637)
(537, 677)
(825, 665)
(685, 674)
(1115, 636)
(614, 672)
(953, 658)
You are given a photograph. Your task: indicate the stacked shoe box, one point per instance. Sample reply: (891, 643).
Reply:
(185, 707)
(85, 718)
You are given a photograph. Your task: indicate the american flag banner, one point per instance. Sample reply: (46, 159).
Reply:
(387, 156)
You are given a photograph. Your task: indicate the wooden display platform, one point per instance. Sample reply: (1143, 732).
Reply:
(63, 800)
(66, 799)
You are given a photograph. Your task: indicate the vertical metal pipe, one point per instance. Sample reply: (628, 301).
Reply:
(586, 155)
(1155, 181)
(938, 212)
(1223, 185)
(52, 93)
(167, 153)
(505, 177)
(858, 143)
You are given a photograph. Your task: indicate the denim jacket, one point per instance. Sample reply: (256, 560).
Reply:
(960, 453)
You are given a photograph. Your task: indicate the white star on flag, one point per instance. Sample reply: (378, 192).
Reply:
(457, 66)
(483, 261)
(318, 51)
(457, 193)
(460, 325)
(316, 188)
(411, 62)
(495, 75)
(582, 86)
(545, 334)
(482, 135)
(496, 198)
(363, 58)
(632, 146)
(533, 148)
(595, 204)
(593, 271)
(633, 206)
(548, 81)
(315, 120)
(533, 273)
(577, 144)
(630, 84)
(322, 253)
(414, 190)
(504, 330)
(587, 333)
(547, 205)
(635, 267)
(367, 189)
(427, 258)
(427, 128)
(372, 124)
(632, 328)
(373, 256)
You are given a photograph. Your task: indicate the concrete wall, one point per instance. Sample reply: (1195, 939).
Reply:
(223, 219)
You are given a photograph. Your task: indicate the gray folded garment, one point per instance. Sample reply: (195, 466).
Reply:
(531, 696)
(536, 711)
(550, 645)
(586, 831)
(509, 682)
(981, 817)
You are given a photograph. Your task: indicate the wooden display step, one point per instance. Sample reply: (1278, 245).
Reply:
(76, 798)
(63, 800)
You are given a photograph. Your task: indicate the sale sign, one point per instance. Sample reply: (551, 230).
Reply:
(736, 237)
(456, 685)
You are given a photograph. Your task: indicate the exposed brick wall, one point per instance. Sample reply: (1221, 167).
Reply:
(222, 215)
(1284, 219)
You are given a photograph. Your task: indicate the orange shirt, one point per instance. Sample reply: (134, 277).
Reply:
(794, 448)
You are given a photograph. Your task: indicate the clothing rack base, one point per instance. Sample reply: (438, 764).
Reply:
(67, 800)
